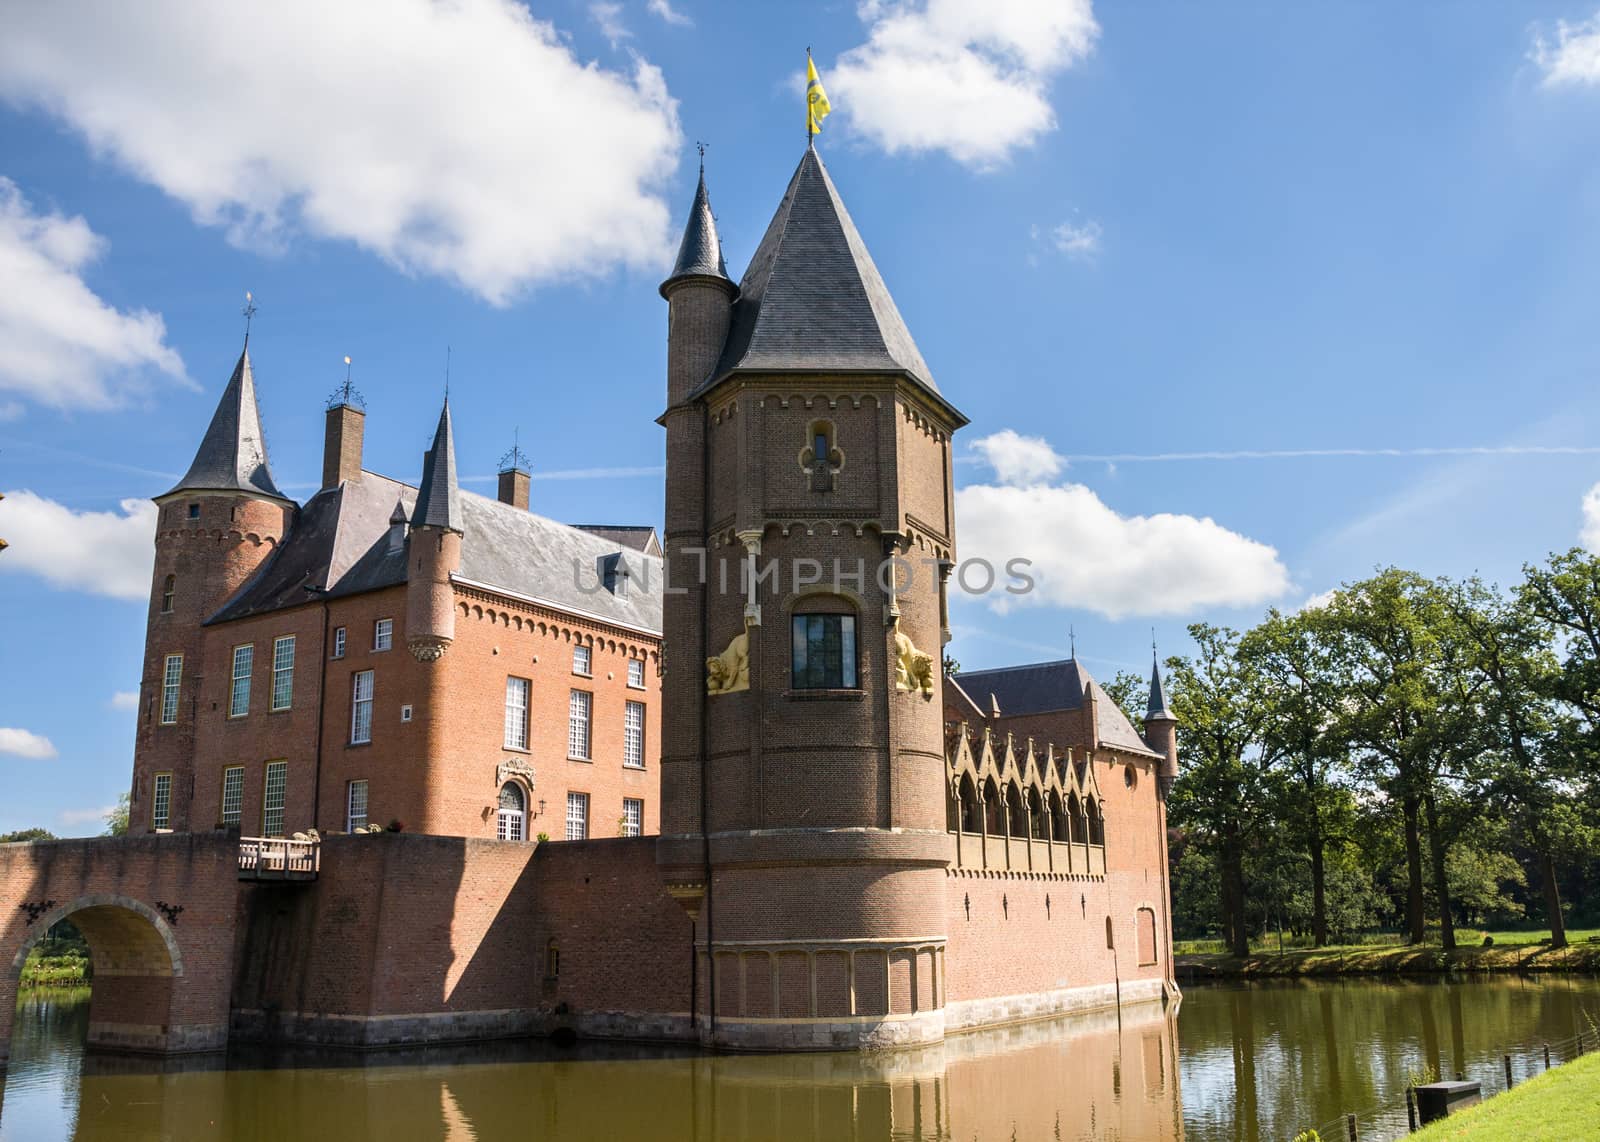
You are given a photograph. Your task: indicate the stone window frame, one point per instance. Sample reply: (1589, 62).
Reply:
(239, 684)
(161, 801)
(516, 716)
(283, 649)
(824, 599)
(508, 820)
(580, 739)
(633, 737)
(361, 729)
(171, 688)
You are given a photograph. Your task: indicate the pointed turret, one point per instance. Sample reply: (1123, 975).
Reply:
(233, 453)
(434, 549)
(439, 498)
(700, 252)
(1161, 729)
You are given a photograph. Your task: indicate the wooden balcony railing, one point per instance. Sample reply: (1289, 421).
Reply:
(278, 858)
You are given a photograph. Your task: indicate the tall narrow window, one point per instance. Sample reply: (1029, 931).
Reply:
(582, 658)
(232, 794)
(577, 816)
(636, 673)
(171, 682)
(578, 724)
(361, 709)
(824, 652)
(632, 816)
(168, 590)
(633, 735)
(517, 713)
(272, 798)
(356, 807)
(383, 634)
(283, 672)
(161, 803)
(338, 642)
(244, 660)
(510, 824)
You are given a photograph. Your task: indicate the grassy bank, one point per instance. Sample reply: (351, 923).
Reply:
(56, 971)
(1510, 951)
(1562, 1103)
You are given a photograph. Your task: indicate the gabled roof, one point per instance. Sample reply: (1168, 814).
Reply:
(700, 251)
(233, 453)
(439, 500)
(1050, 687)
(639, 537)
(812, 298)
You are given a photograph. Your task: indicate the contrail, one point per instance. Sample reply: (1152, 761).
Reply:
(1302, 453)
(579, 474)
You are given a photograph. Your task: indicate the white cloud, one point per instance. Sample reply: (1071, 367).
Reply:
(1018, 459)
(1085, 555)
(61, 344)
(25, 743)
(665, 10)
(1590, 535)
(125, 700)
(965, 78)
(1574, 57)
(87, 816)
(1319, 600)
(463, 140)
(1080, 242)
(608, 18)
(104, 553)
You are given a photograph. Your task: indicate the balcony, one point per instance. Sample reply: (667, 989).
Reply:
(278, 858)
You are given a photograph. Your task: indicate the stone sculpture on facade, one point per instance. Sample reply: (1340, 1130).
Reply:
(730, 670)
(913, 669)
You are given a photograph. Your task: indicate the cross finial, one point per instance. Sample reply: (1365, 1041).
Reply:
(701, 147)
(1153, 641)
(249, 312)
(1072, 641)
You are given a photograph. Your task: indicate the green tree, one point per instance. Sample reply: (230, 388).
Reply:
(34, 834)
(117, 819)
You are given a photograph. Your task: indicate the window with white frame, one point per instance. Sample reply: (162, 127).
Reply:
(361, 708)
(232, 794)
(383, 634)
(511, 823)
(632, 816)
(338, 642)
(636, 673)
(272, 798)
(578, 724)
(161, 803)
(582, 659)
(244, 660)
(517, 712)
(171, 682)
(577, 816)
(633, 735)
(283, 672)
(356, 807)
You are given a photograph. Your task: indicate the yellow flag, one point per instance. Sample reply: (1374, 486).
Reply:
(817, 105)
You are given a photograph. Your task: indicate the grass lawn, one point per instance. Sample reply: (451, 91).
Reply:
(1562, 1103)
(1511, 951)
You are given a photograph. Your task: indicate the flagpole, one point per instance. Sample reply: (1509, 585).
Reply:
(811, 136)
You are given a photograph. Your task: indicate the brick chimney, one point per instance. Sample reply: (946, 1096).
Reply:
(515, 478)
(341, 444)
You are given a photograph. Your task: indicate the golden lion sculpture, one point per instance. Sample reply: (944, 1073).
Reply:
(913, 670)
(730, 670)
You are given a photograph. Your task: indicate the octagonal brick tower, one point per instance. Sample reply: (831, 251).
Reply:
(803, 806)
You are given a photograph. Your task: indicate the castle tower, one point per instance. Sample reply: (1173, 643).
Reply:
(803, 801)
(1161, 731)
(214, 529)
(434, 549)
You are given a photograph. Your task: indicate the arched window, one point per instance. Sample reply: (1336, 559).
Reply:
(971, 815)
(1097, 824)
(1038, 828)
(1016, 819)
(994, 813)
(168, 590)
(1080, 832)
(1058, 818)
(510, 823)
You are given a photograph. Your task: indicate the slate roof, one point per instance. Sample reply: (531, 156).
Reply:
(341, 541)
(638, 537)
(1049, 687)
(233, 453)
(812, 298)
(1157, 706)
(438, 502)
(700, 251)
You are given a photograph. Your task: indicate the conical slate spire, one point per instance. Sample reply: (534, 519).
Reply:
(700, 252)
(1158, 709)
(233, 453)
(439, 498)
(812, 298)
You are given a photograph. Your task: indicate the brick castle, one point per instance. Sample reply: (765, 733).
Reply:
(782, 826)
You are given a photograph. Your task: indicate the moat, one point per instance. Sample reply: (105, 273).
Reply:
(1238, 1063)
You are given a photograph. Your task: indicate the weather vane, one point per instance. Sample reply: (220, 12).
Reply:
(701, 147)
(516, 458)
(249, 311)
(347, 393)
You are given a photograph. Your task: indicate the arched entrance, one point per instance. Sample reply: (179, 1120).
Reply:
(136, 961)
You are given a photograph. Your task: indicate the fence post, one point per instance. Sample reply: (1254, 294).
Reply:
(1547, 1056)
(1350, 1127)
(1508, 1072)
(1411, 1108)
(1580, 1042)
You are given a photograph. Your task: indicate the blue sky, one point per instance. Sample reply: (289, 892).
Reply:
(1140, 246)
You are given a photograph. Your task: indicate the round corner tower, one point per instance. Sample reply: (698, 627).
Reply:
(809, 527)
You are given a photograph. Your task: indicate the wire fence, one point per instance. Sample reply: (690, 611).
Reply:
(1396, 1117)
